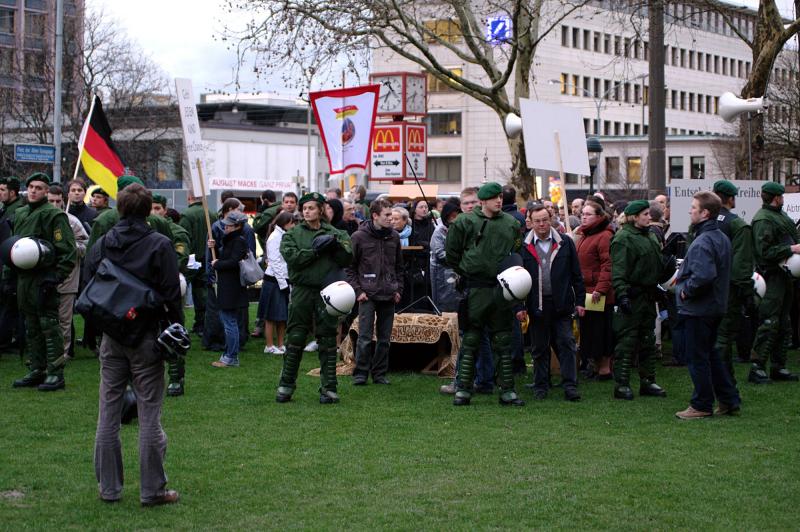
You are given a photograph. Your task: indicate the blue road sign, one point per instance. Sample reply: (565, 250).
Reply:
(35, 153)
(498, 29)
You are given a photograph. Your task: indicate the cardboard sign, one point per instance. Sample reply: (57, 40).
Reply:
(540, 123)
(192, 139)
(680, 199)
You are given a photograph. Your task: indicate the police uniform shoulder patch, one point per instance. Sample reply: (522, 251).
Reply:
(180, 248)
(721, 218)
(57, 236)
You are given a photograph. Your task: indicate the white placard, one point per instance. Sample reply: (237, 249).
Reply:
(791, 205)
(680, 199)
(540, 122)
(192, 140)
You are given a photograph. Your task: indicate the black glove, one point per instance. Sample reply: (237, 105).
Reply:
(323, 242)
(624, 304)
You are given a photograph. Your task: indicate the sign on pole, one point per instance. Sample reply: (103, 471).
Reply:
(540, 122)
(387, 152)
(748, 201)
(35, 153)
(192, 139)
(416, 150)
(791, 205)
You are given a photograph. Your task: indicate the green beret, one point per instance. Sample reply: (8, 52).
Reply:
(635, 207)
(723, 186)
(38, 176)
(773, 188)
(99, 191)
(12, 182)
(312, 196)
(125, 180)
(489, 191)
(158, 198)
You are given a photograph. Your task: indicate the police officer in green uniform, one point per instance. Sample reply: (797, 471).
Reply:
(637, 267)
(176, 369)
(37, 294)
(775, 239)
(741, 285)
(100, 200)
(193, 219)
(268, 211)
(108, 219)
(312, 250)
(9, 187)
(476, 245)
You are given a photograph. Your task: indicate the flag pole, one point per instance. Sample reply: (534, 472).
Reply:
(82, 139)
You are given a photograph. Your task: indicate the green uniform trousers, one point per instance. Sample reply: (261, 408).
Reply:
(634, 334)
(775, 330)
(45, 342)
(729, 328)
(307, 313)
(487, 308)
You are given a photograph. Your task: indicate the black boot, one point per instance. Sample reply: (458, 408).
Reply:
(284, 394)
(328, 397)
(623, 392)
(758, 375)
(652, 389)
(461, 399)
(34, 378)
(175, 389)
(783, 374)
(52, 383)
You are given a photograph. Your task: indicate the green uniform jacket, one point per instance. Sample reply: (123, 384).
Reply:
(194, 221)
(261, 223)
(182, 244)
(306, 268)
(478, 258)
(43, 221)
(773, 234)
(108, 219)
(636, 260)
(11, 208)
(742, 253)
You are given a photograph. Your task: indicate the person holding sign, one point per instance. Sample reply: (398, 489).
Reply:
(593, 242)
(312, 250)
(776, 239)
(637, 268)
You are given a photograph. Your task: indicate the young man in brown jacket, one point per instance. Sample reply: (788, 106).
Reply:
(376, 276)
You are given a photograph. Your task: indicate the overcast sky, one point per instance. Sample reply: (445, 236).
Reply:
(179, 36)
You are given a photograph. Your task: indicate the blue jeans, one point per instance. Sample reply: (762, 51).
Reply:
(709, 375)
(551, 329)
(230, 323)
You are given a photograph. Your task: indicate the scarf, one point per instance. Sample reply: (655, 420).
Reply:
(404, 234)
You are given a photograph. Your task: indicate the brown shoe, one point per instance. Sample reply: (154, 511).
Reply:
(692, 413)
(727, 410)
(168, 497)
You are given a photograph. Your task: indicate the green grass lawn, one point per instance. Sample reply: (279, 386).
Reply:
(401, 457)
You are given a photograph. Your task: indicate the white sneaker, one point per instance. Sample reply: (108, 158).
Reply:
(312, 346)
(280, 350)
(270, 350)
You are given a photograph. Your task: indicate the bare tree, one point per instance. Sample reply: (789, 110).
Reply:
(782, 124)
(291, 36)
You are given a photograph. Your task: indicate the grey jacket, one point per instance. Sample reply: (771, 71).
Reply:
(705, 274)
(443, 277)
(71, 283)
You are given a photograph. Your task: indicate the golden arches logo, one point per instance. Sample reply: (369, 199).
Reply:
(385, 140)
(416, 139)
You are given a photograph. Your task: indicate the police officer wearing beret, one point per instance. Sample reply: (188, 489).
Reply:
(312, 250)
(37, 294)
(637, 268)
(775, 240)
(477, 243)
(740, 293)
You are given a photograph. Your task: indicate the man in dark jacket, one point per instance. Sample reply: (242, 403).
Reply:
(151, 257)
(77, 207)
(376, 275)
(701, 295)
(557, 293)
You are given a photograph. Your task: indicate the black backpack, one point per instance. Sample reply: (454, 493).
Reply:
(120, 304)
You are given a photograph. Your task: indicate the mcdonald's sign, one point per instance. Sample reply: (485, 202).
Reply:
(399, 151)
(417, 154)
(416, 139)
(386, 139)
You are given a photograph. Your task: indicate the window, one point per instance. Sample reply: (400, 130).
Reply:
(724, 66)
(444, 169)
(587, 42)
(698, 167)
(6, 61)
(674, 58)
(575, 84)
(716, 64)
(683, 58)
(34, 24)
(443, 124)
(436, 85)
(646, 51)
(564, 78)
(7, 21)
(606, 43)
(676, 168)
(691, 59)
(571, 179)
(564, 36)
(612, 169)
(576, 37)
(442, 29)
(617, 45)
(776, 171)
(596, 43)
(683, 101)
(634, 169)
(34, 64)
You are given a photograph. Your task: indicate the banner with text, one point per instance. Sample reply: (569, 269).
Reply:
(192, 139)
(681, 191)
(346, 118)
(791, 205)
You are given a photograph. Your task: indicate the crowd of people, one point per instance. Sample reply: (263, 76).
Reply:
(608, 281)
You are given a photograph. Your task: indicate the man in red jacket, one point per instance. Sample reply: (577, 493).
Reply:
(376, 276)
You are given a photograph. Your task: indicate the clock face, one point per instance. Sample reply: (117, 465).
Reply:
(390, 98)
(415, 94)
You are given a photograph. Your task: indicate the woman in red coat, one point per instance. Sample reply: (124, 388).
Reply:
(593, 242)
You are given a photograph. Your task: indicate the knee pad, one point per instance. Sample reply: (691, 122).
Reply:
(326, 342)
(502, 342)
(296, 338)
(471, 340)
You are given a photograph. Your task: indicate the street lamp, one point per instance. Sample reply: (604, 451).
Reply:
(594, 148)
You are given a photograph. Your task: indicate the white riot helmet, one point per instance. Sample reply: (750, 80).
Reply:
(759, 284)
(792, 265)
(182, 281)
(28, 253)
(516, 283)
(339, 298)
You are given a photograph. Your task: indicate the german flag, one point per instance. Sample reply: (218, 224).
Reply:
(99, 158)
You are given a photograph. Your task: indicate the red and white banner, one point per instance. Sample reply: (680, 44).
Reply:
(346, 118)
